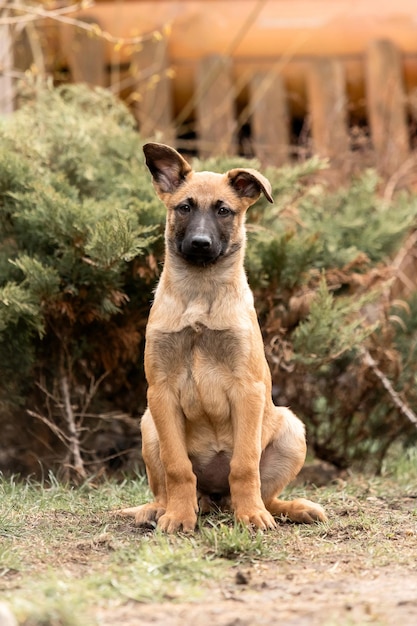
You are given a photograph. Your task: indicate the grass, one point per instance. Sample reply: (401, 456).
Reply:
(65, 554)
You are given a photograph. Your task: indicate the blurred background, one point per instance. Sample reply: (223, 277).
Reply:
(322, 94)
(274, 79)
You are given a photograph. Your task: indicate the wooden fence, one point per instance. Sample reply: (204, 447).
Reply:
(217, 128)
(213, 105)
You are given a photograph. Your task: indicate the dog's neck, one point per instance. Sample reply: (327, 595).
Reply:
(201, 297)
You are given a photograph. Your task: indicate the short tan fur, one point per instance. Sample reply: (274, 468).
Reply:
(211, 434)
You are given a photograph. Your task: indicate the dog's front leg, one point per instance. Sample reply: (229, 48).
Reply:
(181, 483)
(245, 483)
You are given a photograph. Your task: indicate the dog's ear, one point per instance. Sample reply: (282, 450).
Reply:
(249, 183)
(167, 166)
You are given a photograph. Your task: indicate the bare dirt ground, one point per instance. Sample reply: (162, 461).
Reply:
(361, 570)
(302, 596)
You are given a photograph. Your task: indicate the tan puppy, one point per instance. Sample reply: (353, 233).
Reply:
(211, 433)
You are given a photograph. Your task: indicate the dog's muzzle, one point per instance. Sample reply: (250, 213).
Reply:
(200, 249)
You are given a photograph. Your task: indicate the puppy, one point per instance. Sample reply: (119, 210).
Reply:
(211, 433)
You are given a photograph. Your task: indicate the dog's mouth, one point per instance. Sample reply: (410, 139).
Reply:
(205, 258)
(200, 260)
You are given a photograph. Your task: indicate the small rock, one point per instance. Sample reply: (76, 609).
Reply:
(240, 579)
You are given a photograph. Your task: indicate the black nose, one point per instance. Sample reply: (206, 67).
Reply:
(201, 242)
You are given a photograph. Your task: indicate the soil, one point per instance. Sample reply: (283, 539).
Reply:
(361, 571)
(296, 595)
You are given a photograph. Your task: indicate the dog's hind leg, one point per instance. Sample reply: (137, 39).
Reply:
(151, 511)
(280, 463)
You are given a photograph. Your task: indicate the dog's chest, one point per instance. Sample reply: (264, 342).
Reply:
(201, 364)
(195, 349)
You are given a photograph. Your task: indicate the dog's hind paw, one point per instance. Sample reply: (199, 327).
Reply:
(299, 510)
(144, 513)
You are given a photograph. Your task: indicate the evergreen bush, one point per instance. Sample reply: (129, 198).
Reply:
(80, 252)
(76, 210)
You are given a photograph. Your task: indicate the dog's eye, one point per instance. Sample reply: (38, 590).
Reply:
(223, 211)
(184, 208)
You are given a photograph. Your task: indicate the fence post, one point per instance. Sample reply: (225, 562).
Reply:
(327, 107)
(6, 65)
(386, 103)
(153, 93)
(86, 54)
(215, 107)
(270, 122)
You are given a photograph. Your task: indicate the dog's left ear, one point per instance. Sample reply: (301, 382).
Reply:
(168, 168)
(249, 183)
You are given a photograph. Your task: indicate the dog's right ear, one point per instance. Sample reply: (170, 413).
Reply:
(168, 168)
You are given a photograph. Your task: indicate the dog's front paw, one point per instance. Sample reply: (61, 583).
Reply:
(173, 521)
(258, 517)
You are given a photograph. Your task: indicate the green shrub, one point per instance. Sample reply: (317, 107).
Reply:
(80, 252)
(76, 210)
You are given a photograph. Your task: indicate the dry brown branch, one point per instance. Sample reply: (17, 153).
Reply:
(58, 432)
(69, 417)
(92, 391)
(111, 457)
(403, 267)
(399, 403)
(403, 171)
(32, 13)
(116, 416)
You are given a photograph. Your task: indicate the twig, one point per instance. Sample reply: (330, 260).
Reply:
(48, 394)
(34, 13)
(70, 420)
(94, 386)
(407, 167)
(54, 428)
(60, 15)
(402, 406)
(111, 457)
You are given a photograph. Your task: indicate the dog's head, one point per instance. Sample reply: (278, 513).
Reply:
(206, 211)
